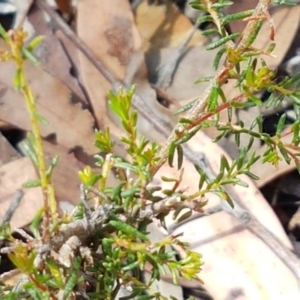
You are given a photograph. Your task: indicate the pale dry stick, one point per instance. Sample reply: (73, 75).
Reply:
(23, 17)
(15, 203)
(290, 259)
(167, 70)
(24, 234)
(8, 275)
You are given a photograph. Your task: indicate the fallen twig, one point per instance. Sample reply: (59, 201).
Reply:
(16, 200)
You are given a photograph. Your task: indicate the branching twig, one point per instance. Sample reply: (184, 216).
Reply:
(83, 228)
(199, 106)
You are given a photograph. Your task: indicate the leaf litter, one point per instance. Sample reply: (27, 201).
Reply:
(134, 50)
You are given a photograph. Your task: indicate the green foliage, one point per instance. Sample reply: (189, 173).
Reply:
(132, 197)
(117, 249)
(251, 76)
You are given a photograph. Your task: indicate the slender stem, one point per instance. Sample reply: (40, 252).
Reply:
(31, 107)
(16, 43)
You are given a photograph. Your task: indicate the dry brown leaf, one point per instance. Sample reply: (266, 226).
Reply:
(238, 265)
(113, 39)
(71, 125)
(195, 63)
(65, 177)
(235, 259)
(72, 53)
(116, 43)
(163, 26)
(12, 176)
(7, 151)
(65, 6)
(52, 55)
